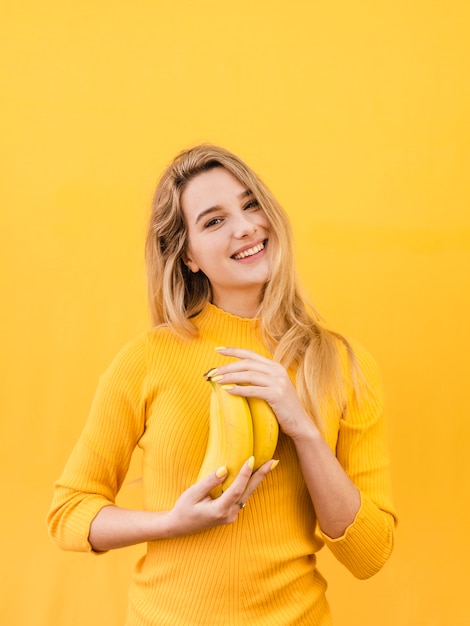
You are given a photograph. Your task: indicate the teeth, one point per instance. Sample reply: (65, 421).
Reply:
(249, 252)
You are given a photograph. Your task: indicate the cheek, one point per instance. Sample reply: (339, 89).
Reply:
(264, 222)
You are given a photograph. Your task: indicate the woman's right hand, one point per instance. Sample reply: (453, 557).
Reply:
(195, 510)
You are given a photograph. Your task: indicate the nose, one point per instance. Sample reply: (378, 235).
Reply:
(244, 226)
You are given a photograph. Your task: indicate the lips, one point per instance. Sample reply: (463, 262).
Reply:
(250, 251)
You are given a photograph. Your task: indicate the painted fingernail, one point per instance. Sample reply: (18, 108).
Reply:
(221, 471)
(251, 462)
(274, 464)
(215, 379)
(221, 348)
(210, 373)
(227, 387)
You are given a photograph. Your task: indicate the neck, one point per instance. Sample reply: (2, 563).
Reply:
(242, 305)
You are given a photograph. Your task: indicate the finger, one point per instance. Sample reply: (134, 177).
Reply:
(245, 371)
(202, 488)
(247, 390)
(257, 478)
(233, 493)
(248, 372)
(254, 379)
(243, 353)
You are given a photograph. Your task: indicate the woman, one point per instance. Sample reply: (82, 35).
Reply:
(221, 273)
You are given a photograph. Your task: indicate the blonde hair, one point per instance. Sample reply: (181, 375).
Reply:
(291, 329)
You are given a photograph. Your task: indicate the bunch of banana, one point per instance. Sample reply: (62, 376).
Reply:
(238, 428)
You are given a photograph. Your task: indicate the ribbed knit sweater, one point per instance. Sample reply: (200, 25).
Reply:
(260, 570)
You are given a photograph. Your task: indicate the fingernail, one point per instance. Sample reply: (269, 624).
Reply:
(215, 379)
(274, 464)
(210, 373)
(221, 348)
(221, 471)
(251, 462)
(227, 387)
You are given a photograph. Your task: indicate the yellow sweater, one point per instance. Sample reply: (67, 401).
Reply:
(261, 570)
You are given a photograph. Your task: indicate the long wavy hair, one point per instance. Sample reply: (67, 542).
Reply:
(291, 328)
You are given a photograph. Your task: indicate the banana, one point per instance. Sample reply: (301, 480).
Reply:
(230, 441)
(265, 431)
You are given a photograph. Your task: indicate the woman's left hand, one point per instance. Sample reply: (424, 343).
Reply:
(253, 375)
(335, 498)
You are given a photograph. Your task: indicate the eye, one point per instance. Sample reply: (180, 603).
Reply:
(213, 222)
(252, 204)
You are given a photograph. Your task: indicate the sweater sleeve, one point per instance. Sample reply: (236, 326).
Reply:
(99, 462)
(363, 453)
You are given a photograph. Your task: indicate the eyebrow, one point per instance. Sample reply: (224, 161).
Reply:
(216, 207)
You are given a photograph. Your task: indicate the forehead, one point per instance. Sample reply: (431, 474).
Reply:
(214, 187)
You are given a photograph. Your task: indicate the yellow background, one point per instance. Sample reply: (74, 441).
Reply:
(356, 114)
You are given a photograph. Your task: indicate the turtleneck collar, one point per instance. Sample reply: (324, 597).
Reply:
(211, 313)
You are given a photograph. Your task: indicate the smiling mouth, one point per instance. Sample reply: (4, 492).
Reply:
(251, 251)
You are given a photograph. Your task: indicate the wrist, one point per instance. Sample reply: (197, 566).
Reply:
(306, 433)
(168, 526)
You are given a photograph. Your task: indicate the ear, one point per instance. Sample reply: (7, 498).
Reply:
(190, 264)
